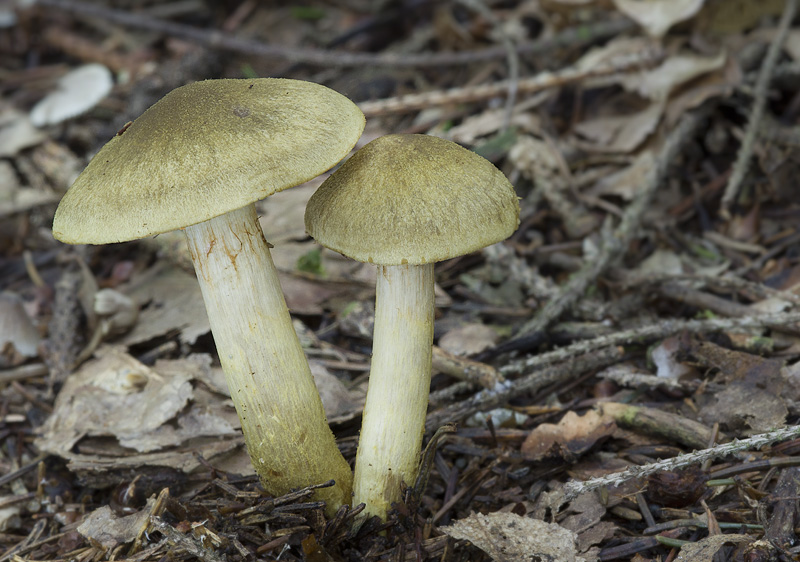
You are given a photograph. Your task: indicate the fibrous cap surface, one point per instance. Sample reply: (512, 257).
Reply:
(205, 149)
(412, 199)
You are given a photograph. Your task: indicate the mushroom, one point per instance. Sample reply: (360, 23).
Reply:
(197, 160)
(404, 202)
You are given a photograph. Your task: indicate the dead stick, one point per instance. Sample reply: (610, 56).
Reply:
(647, 334)
(580, 35)
(615, 244)
(651, 421)
(759, 102)
(572, 490)
(542, 81)
(489, 399)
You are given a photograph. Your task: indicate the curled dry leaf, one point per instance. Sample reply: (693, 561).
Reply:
(621, 132)
(660, 82)
(118, 396)
(570, 438)
(657, 16)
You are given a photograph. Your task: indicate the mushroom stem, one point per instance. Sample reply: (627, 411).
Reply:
(399, 384)
(284, 425)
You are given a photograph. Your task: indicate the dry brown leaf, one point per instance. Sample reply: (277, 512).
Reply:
(704, 550)
(753, 388)
(469, 339)
(282, 213)
(620, 133)
(171, 302)
(338, 401)
(570, 438)
(657, 16)
(628, 181)
(658, 83)
(118, 396)
(103, 527)
(508, 537)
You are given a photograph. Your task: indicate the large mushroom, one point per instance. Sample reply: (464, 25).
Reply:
(404, 202)
(197, 160)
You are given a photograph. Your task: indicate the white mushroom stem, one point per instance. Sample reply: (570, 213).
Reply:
(399, 384)
(271, 385)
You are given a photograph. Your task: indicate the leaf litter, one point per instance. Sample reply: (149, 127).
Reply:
(635, 317)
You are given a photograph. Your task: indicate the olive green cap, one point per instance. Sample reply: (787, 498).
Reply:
(412, 199)
(203, 150)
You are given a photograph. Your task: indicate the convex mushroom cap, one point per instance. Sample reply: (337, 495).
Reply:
(203, 150)
(412, 199)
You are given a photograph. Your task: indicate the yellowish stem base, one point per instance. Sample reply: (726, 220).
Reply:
(283, 421)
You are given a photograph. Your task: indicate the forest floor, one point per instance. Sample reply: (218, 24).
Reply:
(615, 381)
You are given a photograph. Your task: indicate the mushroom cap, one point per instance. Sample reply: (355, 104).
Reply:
(203, 150)
(412, 199)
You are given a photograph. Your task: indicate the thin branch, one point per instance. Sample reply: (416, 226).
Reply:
(647, 334)
(215, 39)
(542, 81)
(759, 103)
(572, 490)
(614, 244)
(489, 399)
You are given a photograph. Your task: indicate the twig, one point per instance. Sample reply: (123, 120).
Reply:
(327, 58)
(488, 399)
(189, 543)
(542, 81)
(572, 490)
(614, 244)
(759, 103)
(512, 58)
(646, 334)
(465, 369)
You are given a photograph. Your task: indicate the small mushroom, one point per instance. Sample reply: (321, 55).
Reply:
(197, 160)
(404, 202)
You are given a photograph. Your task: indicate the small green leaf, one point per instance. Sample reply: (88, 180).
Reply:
(248, 71)
(497, 146)
(311, 262)
(311, 13)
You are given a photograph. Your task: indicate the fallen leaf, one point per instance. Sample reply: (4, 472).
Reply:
(116, 395)
(752, 395)
(660, 82)
(681, 488)
(570, 438)
(627, 182)
(103, 527)
(282, 214)
(19, 339)
(705, 550)
(508, 537)
(17, 132)
(469, 339)
(337, 400)
(657, 16)
(171, 301)
(620, 132)
(77, 92)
